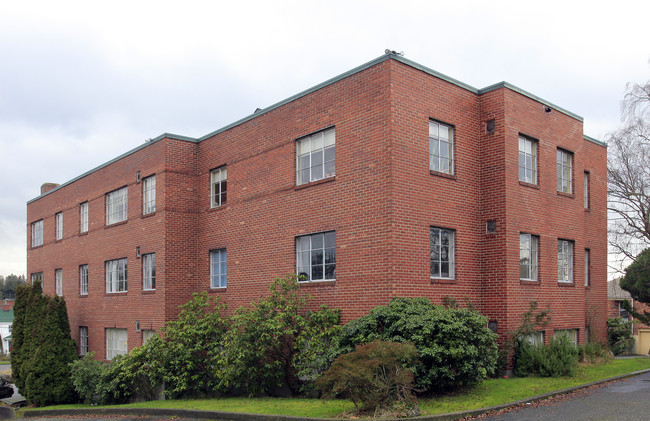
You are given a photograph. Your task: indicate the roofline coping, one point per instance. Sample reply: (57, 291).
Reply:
(324, 84)
(594, 140)
(125, 154)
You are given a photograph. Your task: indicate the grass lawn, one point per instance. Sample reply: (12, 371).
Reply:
(5, 362)
(490, 392)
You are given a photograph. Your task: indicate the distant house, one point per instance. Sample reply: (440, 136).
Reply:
(6, 320)
(615, 298)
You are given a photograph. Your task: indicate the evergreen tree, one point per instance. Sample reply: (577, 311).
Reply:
(44, 347)
(17, 334)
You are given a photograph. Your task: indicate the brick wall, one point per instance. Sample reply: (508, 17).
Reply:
(381, 203)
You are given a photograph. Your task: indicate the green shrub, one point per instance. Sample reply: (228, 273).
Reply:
(456, 348)
(87, 374)
(276, 343)
(560, 358)
(593, 353)
(189, 349)
(376, 376)
(619, 335)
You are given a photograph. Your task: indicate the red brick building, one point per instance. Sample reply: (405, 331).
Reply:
(388, 180)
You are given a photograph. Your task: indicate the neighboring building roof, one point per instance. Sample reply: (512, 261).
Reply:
(6, 316)
(615, 292)
(371, 63)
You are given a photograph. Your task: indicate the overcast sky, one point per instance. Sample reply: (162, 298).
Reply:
(83, 82)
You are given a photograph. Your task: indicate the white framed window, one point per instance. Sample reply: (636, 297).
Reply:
(83, 340)
(316, 156)
(586, 190)
(116, 275)
(442, 261)
(149, 195)
(116, 343)
(218, 269)
(316, 257)
(441, 147)
(149, 271)
(37, 233)
(83, 217)
(528, 257)
(536, 338)
(58, 225)
(218, 186)
(38, 276)
(527, 160)
(564, 171)
(565, 261)
(147, 334)
(572, 334)
(83, 279)
(117, 206)
(622, 312)
(587, 264)
(58, 282)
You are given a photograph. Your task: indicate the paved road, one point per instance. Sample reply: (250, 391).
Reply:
(623, 400)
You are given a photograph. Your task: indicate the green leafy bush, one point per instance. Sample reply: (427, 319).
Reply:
(276, 343)
(619, 335)
(375, 376)
(87, 374)
(560, 358)
(189, 349)
(456, 348)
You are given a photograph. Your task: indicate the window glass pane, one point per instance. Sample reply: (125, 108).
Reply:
(316, 141)
(316, 256)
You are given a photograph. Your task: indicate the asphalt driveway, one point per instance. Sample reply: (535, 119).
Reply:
(627, 399)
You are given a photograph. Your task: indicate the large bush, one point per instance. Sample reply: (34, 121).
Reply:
(559, 358)
(184, 359)
(619, 335)
(276, 343)
(456, 348)
(376, 376)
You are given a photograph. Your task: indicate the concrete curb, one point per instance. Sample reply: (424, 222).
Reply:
(239, 416)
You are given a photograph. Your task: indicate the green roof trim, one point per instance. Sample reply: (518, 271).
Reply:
(531, 96)
(594, 140)
(107, 163)
(358, 69)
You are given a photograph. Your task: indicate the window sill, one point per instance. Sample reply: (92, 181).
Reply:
(148, 215)
(565, 284)
(83, 233)
(148, 291)
(587, 209)
(315, 183)
(443, 174)
(443, 281)
(217, 208)
(215, 290)
(114, 294)
(317, 283)
(529, 282)
(36, 247)
(116, 224)
(568, 195)
(529, 185)
(83, 295)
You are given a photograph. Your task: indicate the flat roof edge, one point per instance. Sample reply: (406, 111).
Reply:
(107, 163)
(594, 140)
(301, 94)
(534, 97)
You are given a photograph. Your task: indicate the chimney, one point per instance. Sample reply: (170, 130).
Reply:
(46, 187)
